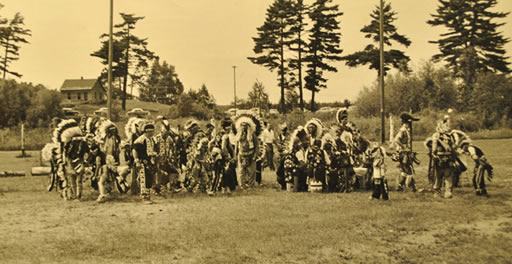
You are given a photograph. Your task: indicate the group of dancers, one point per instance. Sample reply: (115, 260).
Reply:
(230, 154)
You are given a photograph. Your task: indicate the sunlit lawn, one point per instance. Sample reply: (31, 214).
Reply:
(263, 225)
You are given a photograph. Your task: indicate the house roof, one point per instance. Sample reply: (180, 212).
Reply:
(79, 85)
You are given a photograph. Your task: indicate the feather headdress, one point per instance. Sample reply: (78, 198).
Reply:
(254, 123)
(89, 124)
(133, 126)
(66, 130)
(319, 128)
(296, 137)
(104, 128)
(49, 150)
(342, 114)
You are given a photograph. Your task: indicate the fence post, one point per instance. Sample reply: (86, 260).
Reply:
(22, 139)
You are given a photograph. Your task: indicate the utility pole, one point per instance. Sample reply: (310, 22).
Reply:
(234, 85)
(110, 52)
(381, 75)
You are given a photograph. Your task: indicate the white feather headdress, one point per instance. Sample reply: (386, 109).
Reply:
(48, 151)
(295, 137)
(254, 123)
(133, 126)
(66, 130)
(319, 128)
(104, 127)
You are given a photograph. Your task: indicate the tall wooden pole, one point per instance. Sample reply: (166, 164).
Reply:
(234, 85)
(22, 139)
(110, 52)
(381, 75)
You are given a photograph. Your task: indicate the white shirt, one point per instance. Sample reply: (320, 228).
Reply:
(267, 136)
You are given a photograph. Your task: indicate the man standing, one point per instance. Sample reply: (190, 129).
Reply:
(282, 149)
(247, 148)
(166, 160)
(268, 139)
(403, 143)
(143, 153)
(228, 153)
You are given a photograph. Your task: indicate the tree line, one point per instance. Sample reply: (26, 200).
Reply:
(303, 41)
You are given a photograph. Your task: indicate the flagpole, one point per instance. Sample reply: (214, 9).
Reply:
(110, 52)
(381, 74)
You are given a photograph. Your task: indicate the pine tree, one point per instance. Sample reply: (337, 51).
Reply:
(298, 45)
(371, 53)
(272, 42)
(130, 53)
(161, 83)
(323, 46)
(472, 43)
(10, 37)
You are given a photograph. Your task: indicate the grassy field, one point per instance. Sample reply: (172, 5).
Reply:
(261, 225)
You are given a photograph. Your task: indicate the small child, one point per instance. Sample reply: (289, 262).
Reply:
(380, 184)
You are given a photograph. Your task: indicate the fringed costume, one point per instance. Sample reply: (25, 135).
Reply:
(247, 143)
(73, 147)
(405, 157)
(144, 156)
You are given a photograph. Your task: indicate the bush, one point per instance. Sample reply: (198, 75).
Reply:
(189, 107)
(22, 102)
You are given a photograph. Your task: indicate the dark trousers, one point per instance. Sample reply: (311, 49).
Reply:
(258, 171)
(479, 180)
(229, 178)
(280, 174)
(300, 181)
(380, 188)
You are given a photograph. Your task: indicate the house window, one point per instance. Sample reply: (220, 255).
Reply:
(85, 96)
(69, 96)
(78, 96)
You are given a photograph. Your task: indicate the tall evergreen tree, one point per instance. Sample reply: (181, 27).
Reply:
(323, 46)
(298, 45)
(272, 42)
(11, 36)
(472, 43)
(371, 53)
(131, 54)
(161, 82)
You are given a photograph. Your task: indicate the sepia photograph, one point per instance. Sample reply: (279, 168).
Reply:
(255, 131)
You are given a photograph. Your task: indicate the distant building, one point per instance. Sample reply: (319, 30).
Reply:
(83, 90)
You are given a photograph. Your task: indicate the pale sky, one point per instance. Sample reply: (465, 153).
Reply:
(203, 39)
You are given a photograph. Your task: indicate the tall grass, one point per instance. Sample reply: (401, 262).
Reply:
(35, 138)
